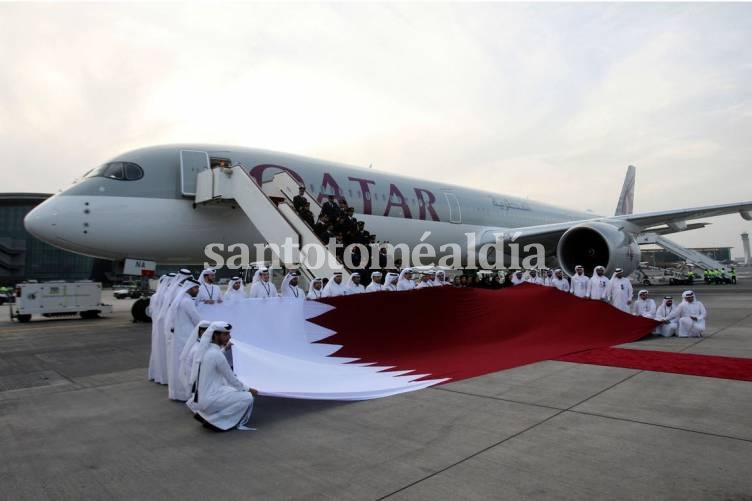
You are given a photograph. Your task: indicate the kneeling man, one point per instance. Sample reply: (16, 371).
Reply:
(666, 315)
(691, 314)
(221, 399)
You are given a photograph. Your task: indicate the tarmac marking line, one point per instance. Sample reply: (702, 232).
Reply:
(666, 426)
(492, 397)
(500, 442)
(700, 340)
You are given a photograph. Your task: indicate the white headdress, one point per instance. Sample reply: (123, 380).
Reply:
(208, 271)
(257, 275)
(402, 273)
(288, 278)
(203, 346)
(233, 292)
(350, 282)
(192, 340)
(389, 276)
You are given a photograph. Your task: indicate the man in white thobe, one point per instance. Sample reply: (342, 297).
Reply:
(290, 287)
(517, 278)
(431, 278)
(666, 314)
(183, 319)
(598, 285)
(620, 291)
(533, 278)
(644, 306)
(691, 316)
(353, 285)
(315, 289)
(263, 288)
(390, 283)
(440, 279)
(208, 293)
(188, 356)
(579, 282)
(155, 304)
(548, 278)
(424, 282)
(235, 290)
(375, 285)
(221, 399)
(559, 281)
(334, 287)
(160, 345)
(405, 282)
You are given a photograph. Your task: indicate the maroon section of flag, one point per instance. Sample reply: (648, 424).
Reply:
(460, 333)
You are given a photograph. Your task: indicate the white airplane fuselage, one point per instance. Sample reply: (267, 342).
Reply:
(150, 218)
(141, 205)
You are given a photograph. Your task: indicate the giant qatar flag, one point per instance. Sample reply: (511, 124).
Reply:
(374, 345)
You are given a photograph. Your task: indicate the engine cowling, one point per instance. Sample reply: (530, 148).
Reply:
(593, 244)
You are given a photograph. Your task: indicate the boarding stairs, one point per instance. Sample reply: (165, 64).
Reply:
(691, 256)
(269, 208)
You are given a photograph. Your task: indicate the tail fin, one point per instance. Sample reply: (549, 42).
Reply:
(625, 205)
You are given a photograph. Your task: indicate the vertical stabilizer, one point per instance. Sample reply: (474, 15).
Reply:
(625, 205)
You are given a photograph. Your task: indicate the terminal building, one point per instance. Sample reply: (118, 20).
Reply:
(23, 257)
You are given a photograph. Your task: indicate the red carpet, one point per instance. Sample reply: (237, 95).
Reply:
(663, 361)
(462, 333)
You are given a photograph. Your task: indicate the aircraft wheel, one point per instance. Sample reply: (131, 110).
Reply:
(23, 318)
(138, 310)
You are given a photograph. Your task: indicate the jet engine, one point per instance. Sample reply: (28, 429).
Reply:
(593, 244)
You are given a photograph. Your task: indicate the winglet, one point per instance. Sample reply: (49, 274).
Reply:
(625, 205)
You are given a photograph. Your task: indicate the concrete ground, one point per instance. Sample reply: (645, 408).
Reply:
(79, 420)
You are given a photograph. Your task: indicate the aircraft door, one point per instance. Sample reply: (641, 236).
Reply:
(191, 163)
(455, 214)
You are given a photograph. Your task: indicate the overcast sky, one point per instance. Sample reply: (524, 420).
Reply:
(546, 101)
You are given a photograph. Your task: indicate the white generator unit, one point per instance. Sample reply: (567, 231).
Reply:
(54, 299)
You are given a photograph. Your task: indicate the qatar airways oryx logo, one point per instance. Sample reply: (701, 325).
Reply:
(496, 254)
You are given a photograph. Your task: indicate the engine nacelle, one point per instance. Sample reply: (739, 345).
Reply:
(593, 244)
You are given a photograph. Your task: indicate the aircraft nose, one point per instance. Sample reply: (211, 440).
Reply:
(42, 221)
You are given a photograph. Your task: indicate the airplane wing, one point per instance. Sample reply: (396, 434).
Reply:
(648, 219)
(674, 221)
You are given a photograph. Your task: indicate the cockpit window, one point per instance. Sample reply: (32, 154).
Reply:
(132, 171)
(114, 170)
(122, 171)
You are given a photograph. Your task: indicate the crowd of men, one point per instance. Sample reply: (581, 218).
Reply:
(262, 287)
(337, 220)
(193, 357)
(685, 320)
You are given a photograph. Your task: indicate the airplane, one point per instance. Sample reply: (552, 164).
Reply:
(142, 205)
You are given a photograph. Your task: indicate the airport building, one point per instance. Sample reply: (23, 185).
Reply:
(23, 257)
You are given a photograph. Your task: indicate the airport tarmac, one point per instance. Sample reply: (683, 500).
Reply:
(79, 420)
